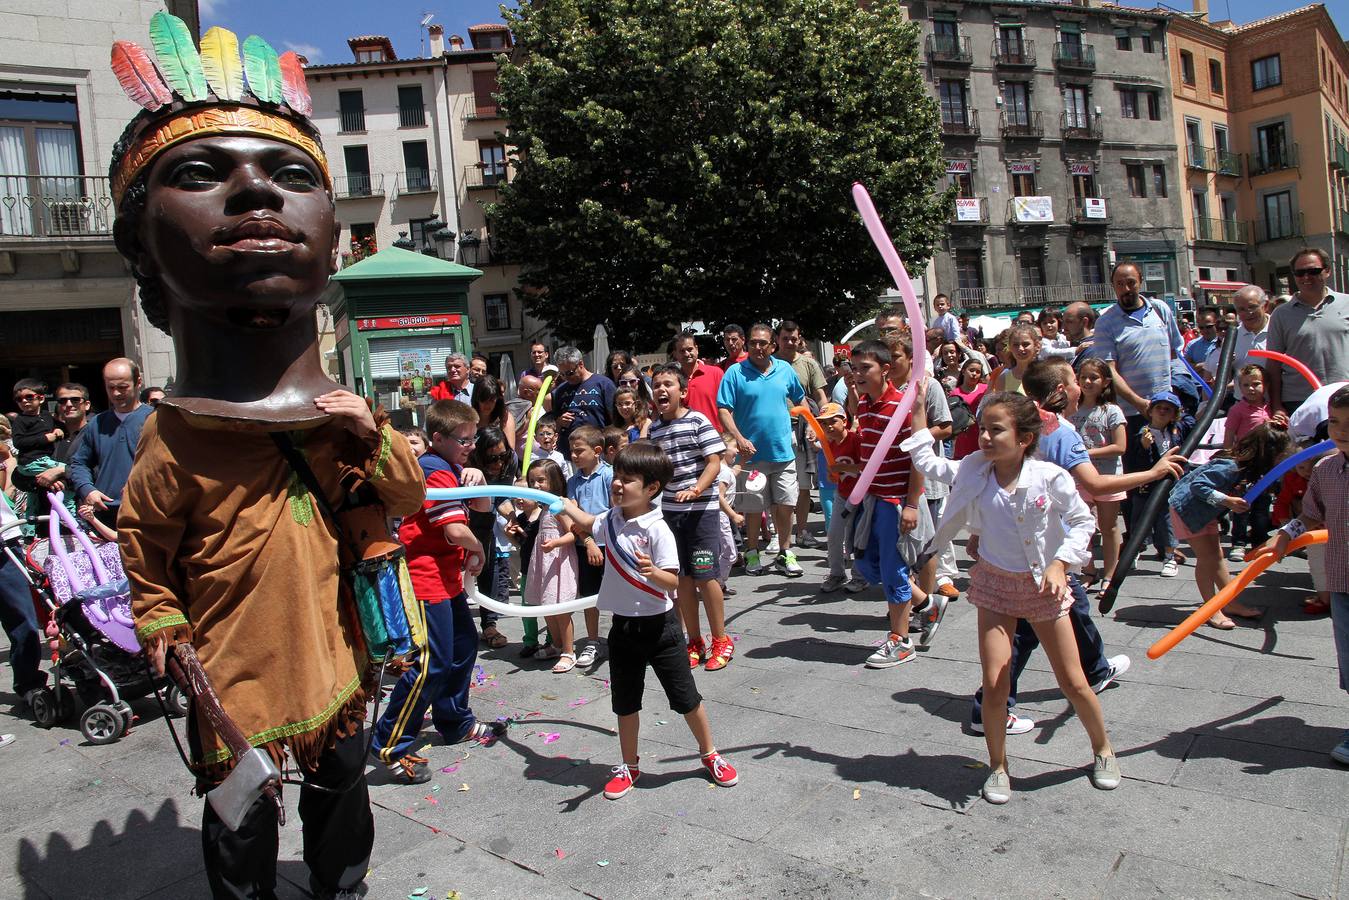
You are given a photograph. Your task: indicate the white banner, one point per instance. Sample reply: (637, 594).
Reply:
(1035, 210)
(969, 209)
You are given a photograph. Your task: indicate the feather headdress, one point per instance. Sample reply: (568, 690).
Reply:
(214, 90)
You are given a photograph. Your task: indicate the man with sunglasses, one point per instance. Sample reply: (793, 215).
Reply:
(72, 410)
(581, 398)
(1198, 350)
(1313, 328)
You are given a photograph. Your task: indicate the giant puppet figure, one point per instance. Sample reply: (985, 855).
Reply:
(225, 213)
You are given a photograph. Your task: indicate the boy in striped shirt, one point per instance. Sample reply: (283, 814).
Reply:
(897, 491)
(691, 508)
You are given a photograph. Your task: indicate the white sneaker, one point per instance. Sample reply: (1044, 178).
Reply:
(1236, 554)
(1015, 725)
(1170, 568)
(1118, 666)
(772, 545)
(586, 658)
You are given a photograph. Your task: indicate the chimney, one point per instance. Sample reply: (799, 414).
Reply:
(304, 60)
(437, 34)
(1201, 10)
(456, 43)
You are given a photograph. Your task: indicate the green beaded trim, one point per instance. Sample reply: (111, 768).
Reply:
(285, 731)
(385, 451)
(158, 625)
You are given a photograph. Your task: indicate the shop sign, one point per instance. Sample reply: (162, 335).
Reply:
(1081, 168)
(959, 166)
(434, 320)
(1021, 167)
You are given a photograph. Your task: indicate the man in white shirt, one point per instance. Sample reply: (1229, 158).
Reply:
(1252, 306)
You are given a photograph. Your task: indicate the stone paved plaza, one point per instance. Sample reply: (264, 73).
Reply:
(854, 783)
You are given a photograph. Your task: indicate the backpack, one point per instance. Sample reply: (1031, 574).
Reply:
(962, 417)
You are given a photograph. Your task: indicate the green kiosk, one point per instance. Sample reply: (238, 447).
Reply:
(396, 315)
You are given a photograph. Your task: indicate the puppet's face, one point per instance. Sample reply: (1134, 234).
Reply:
(238, 230)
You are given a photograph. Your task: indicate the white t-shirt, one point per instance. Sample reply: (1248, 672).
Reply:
(727, 477)
(1096, 424)
(999, 535)
(624, 591)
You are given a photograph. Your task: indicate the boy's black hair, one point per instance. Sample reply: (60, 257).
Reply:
(36, 385)
(877, 350)
(1339, 399)
(612, 435)
(647, 461)
(672, 369)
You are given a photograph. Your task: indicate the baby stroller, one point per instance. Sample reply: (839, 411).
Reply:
(91, 634)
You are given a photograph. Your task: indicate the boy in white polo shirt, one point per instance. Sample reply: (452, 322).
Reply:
(641, 571)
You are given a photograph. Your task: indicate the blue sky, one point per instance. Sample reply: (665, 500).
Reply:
(319, 28)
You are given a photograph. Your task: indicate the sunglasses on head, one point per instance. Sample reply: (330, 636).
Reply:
(1309, 272)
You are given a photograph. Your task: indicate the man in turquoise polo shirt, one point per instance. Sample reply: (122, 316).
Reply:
(753, 403)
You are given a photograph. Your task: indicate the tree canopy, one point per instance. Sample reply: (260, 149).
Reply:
(691, 160)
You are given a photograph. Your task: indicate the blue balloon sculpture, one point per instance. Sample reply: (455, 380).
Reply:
(552, 501)
(1276, 473)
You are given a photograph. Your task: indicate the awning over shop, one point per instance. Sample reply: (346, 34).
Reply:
(1222, 285)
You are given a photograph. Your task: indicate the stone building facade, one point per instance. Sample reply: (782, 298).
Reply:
(1058, 130)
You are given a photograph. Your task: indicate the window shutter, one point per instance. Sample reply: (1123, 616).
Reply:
(484, 86)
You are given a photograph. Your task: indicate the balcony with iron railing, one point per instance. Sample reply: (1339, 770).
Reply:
(1340, 158)
(1030, 211)
(962, 123)
(411, 116)
(358, 186)
(484, 176)
(1080, 126)
(350, 121)
(970, 211)
(949, 48)
(55, 206)
(1013, 53)
(1089, 211)
(483, 113)
(1273, 159)
(1221, 231)
(1075, 56)
(1039, 295)
(1343, 221)
(415, 181)
(1021, 125)
(1279, 228)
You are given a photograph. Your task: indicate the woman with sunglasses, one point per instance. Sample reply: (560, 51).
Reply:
(489, 401)
(631, 377)
(494, 458)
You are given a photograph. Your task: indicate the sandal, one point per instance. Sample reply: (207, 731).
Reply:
(565, 663)
(1088, 577)
(494, 638)
(1223, 624)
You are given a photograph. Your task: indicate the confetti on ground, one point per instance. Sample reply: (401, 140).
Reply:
(419, 892)
(975, 765)
(560, 853)
(548, 696)
(662, 722)
(754, 690)
(551, 737)
(65, 742)
(450, 770)
(435, 788)
(463, 788)
(856, 794)
(452, 895)
(478, 675)
(96, 782)
(601, 863)
(582, 702)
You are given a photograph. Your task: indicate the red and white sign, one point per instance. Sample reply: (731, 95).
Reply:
(959, 166)
(1081, 168)
(969, 209)
(1021, 166)
(434, 320)
(844, 350)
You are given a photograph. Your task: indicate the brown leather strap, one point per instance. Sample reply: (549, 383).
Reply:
(186, 670)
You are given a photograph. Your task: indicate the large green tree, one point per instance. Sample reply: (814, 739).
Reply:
(691, 160)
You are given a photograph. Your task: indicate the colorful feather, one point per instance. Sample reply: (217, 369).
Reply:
(220, 61)
(263, 70)
(293, 84)
(138, 76)
(177, 56)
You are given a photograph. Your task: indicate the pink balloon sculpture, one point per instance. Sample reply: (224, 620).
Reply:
(917, 326)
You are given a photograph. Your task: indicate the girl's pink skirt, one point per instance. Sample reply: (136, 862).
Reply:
(1013, 594)
(1183, 532)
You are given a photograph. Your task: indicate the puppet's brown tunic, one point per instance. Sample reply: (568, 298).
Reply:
(223, 547)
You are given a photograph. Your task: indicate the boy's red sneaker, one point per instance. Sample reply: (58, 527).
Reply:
(697, 652)
(722, 772)
(720, 656)
(625, 777)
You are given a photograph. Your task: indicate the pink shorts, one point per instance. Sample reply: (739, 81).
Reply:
(1181, 531)
(1101, 498)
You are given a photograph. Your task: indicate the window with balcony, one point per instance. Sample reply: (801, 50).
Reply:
(1023, 184)
(1012, 47)
(41, 189)
(969, 273)
(351, 111)
(945, 38)
(1084, 187)
(1016, 103)
(1271, 148)
(1138, 185)
(416, 166)
(1076, 109)
(954, 101)
(484, 93)
(1266, 72)
(411, 110)
(358, 171)
(1215, 77)
(1187, 68)
(1194, 145)
(1199, 199)
(1280, 221)
(492, 161)
(963, 182)
(1032, 263)
(1159, 180)
(363, 240)
(1090, 268)
(497, 308)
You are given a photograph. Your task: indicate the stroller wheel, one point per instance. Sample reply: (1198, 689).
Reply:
(102, 724)
(177, 701)
(46, 709)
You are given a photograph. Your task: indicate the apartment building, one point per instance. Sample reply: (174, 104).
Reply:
(1056, 119)
(1262, 110)
(413, 148)
(67, 301)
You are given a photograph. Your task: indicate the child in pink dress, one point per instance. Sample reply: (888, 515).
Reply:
(551, 578)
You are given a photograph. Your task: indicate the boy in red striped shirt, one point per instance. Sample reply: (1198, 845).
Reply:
(897, 491)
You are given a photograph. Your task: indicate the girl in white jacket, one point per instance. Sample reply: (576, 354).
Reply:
(1027, 524)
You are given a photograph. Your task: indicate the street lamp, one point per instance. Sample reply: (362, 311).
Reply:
(468, 248)
(404, 242)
